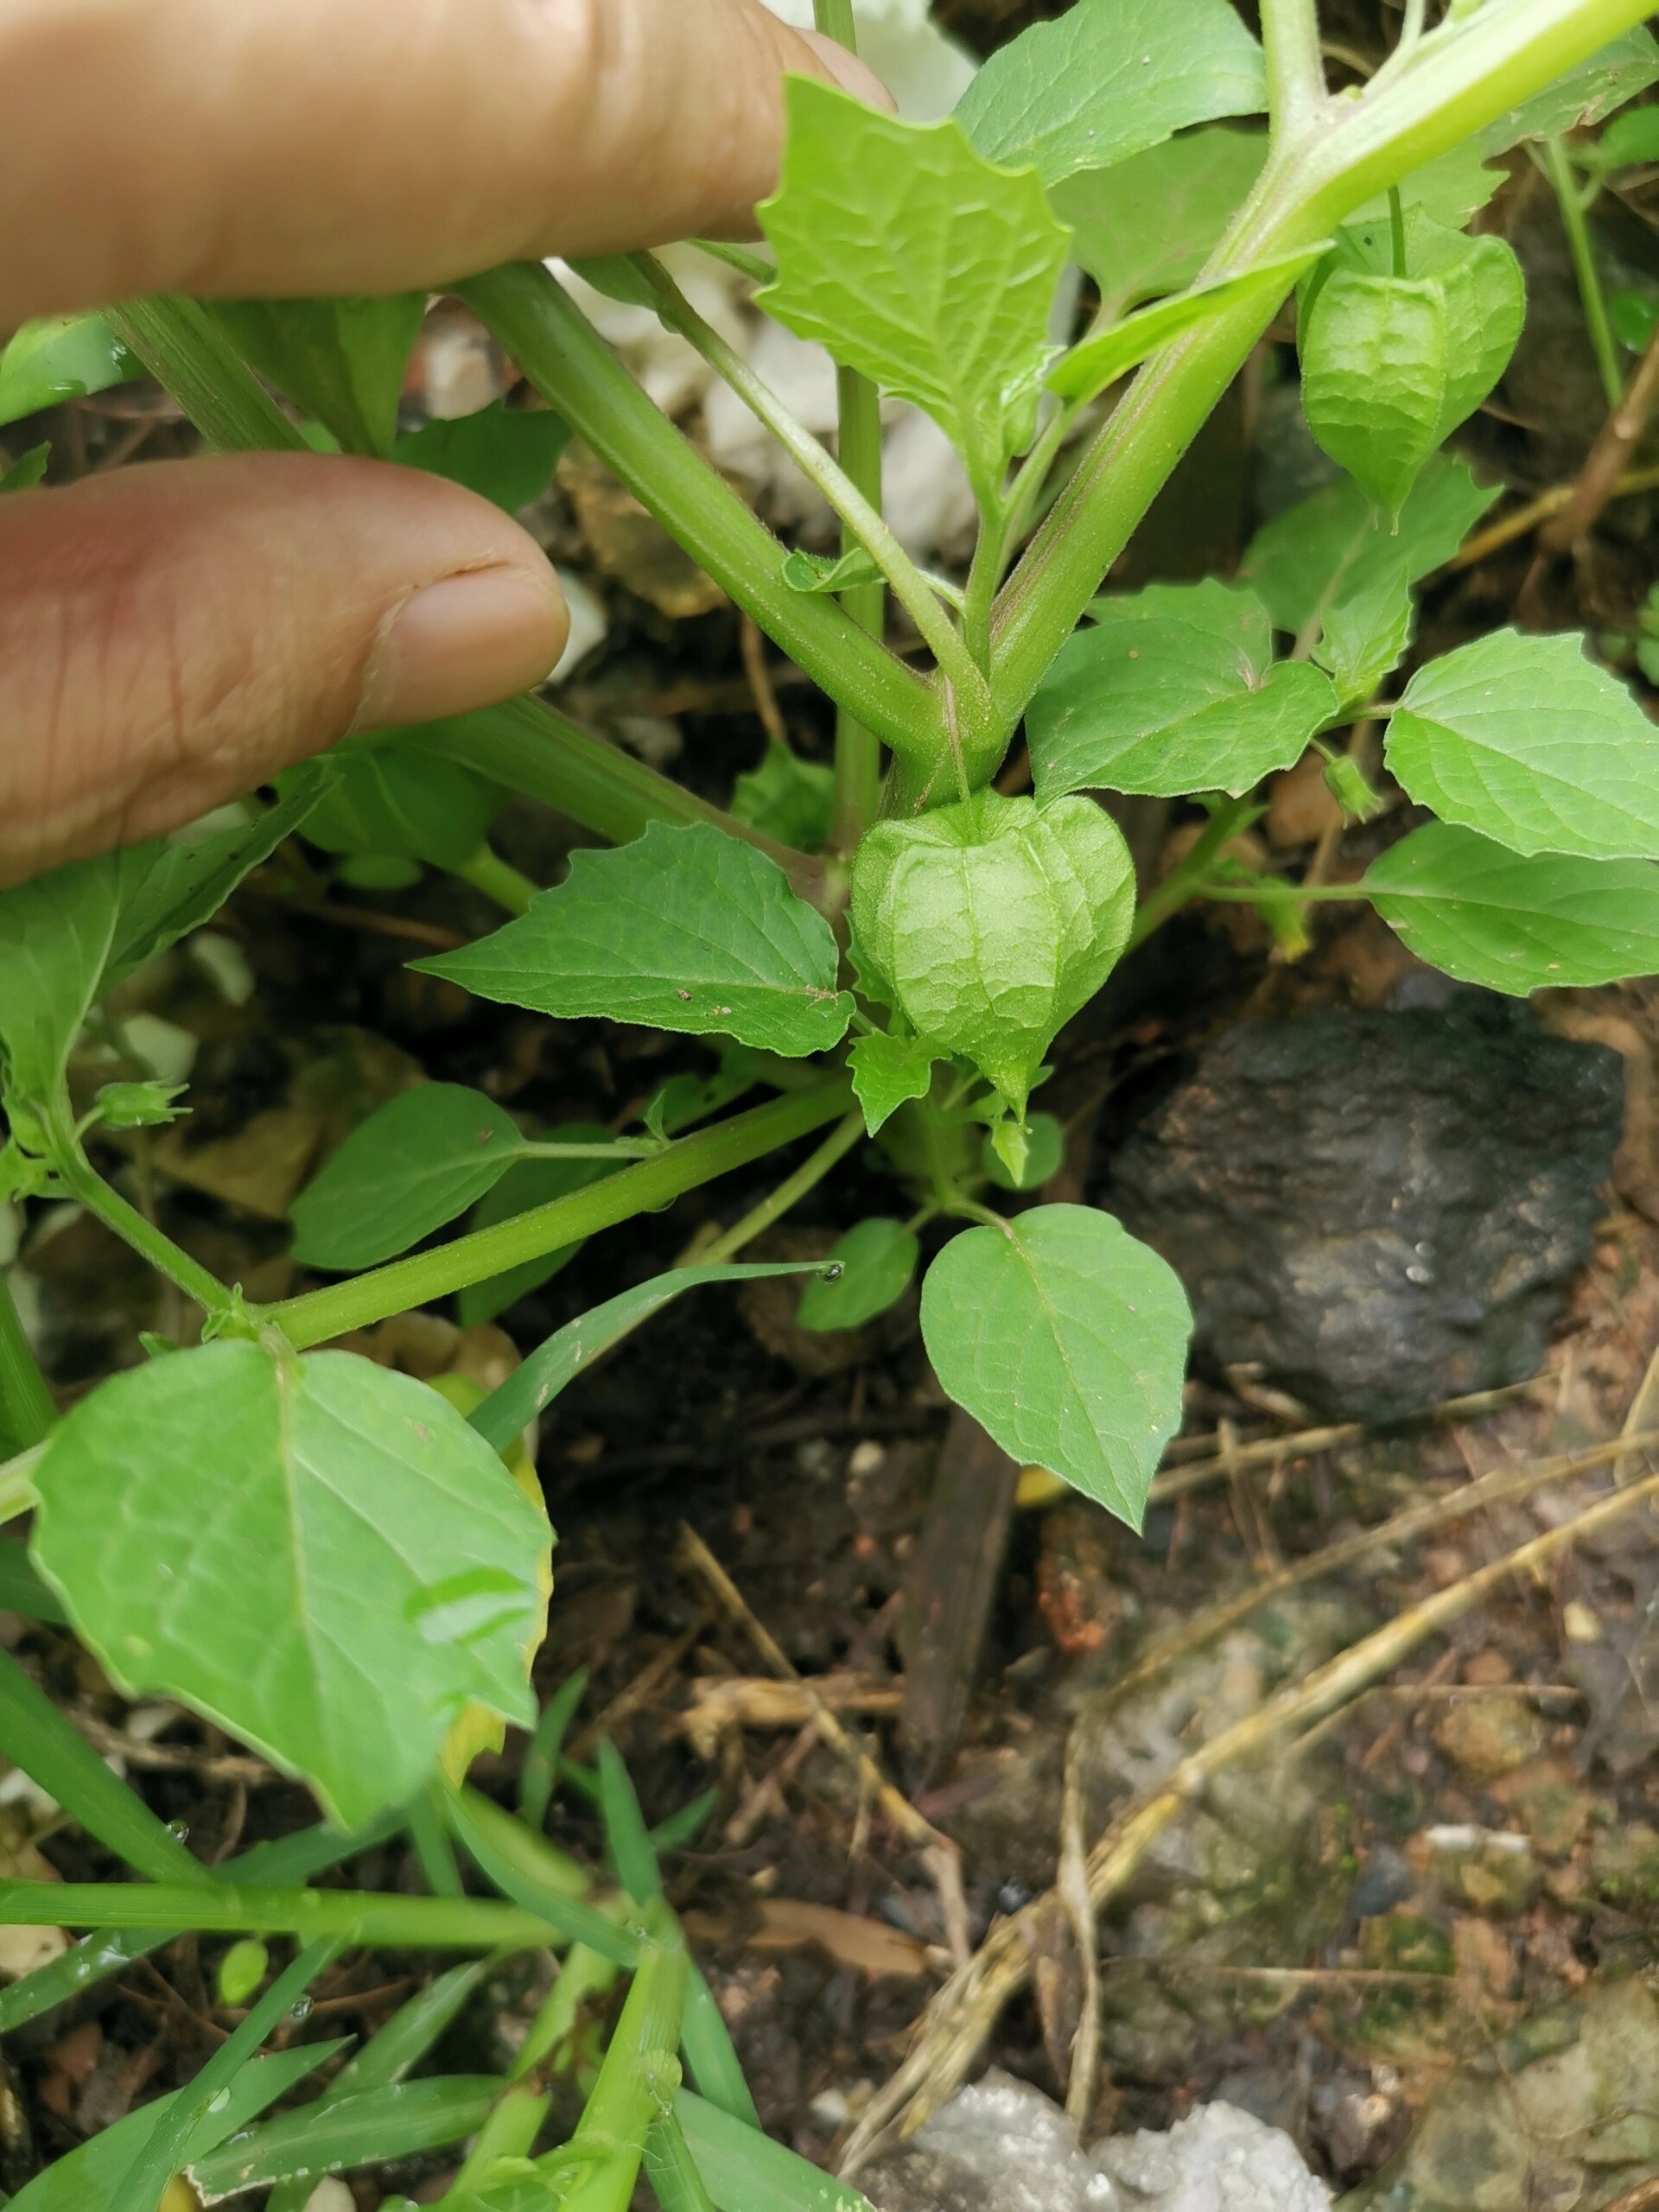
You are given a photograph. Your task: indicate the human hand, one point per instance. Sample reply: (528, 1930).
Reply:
(172, 635)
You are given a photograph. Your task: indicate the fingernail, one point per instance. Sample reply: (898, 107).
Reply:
(467, 642)
(848, 72)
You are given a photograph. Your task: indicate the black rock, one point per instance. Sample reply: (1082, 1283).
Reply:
(1378, 1211)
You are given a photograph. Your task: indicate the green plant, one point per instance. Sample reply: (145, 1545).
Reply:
(336, 1563)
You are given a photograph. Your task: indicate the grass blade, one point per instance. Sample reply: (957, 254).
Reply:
(551, 2043)
(338, 2135)
(746, 2172)
(169, 2138)
(349, 1915)
(716, 2066)
(534, 1875)
(686, 1826)
(35, 1736)
(108, 1951)
(393, 2051)
(86, 2178)
(541, 1767)
(672, 2171)
(626, 1834)
(22, 1590)
(430, 1836)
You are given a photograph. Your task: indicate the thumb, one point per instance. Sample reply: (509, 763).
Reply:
(174, 635)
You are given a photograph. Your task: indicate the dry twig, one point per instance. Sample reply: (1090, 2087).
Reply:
(1501, 1487)
(719, 1706)
(939, 1855)
(1071, 1887)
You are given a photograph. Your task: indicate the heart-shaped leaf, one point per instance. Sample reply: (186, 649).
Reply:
(1066, 1339)
(1170, 691)
(1487, 915)
(915, 259)
(683, 929)
(419, 1160)
(318, 1553)
(1526, 740)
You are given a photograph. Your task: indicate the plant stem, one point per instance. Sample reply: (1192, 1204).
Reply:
(1603, 344)
(858, 750)
(634, 2082)
(858, 516)
(96, 1957)
(83, 1181)
(27, 1412)
(836, 20)
(652, 1185)
(1296, 90)
(618, 1149)
(807, 1177)
(1492, 62)
(991, 557)
(501, 883)
(509, 2132)
(564, 358)
(1186, 881)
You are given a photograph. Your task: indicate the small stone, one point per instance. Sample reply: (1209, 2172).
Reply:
(1003, 2146)
(331, 2195)
(1378, 1211)
(1490, 1868)
(22, 1949)
(1486, 1737)
(1551, 1803)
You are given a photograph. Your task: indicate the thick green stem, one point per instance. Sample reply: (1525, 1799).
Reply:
(1458, 81)
(1592, 294)
(636, 2080)
(1296, 91)
(27, 1412)
(654, 1184)
(575, 372)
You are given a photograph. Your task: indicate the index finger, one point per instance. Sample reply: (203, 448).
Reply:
(271, 147)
